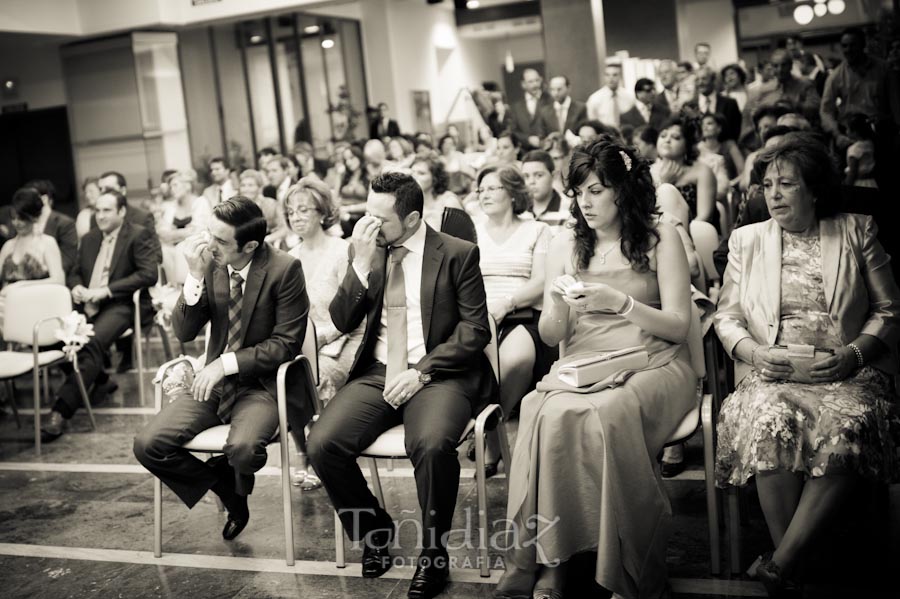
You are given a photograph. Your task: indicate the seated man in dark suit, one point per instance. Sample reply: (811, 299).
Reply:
(53, 223)
(646, 110)
(114, 260)
(421, 363)
(254, 298)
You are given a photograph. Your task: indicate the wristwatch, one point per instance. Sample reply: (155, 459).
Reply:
(424, 377)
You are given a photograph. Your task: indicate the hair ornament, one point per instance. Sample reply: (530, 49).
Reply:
(626, 159)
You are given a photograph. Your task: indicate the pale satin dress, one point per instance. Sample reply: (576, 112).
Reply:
(584, 466)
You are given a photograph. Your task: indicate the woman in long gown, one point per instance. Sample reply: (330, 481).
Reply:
(583, 476)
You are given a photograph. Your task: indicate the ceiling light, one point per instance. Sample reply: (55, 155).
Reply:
(836, 7)
(473, 4)
(311, 29)
(803, 14)
(255, 39)
(328, 43)
(820, 9)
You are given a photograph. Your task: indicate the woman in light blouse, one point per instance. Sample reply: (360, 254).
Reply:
(808, 429)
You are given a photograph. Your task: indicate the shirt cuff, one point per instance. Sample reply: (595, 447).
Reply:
(362, 276)
(229, 363)
(192, 290)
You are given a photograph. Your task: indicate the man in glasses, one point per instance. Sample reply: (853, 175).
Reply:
(646, 111)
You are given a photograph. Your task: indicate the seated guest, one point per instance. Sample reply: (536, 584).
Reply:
(808, 430)
(400, 152)
(513, 252)
(30, 255)
(277, 169)
(734, 80)
(645, 139)
(310, 212)
(432, 177)
(590, 131)
(250, 185)
(763, 119)
(713, 142)
(134, 215)
(91, 190)
(188, 213)
(583, 456)
(354, 188)
(220, 188)
(547, 204)
(114, 260)
(507, 151)
(56, 224)
(560, 150)
(421, 364)
(677, 164)
(232, 272)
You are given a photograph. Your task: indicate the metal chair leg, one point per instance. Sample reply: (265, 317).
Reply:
(46, 378)
(481, 491)
(157, 517)
(734, 530)
(84, 394)
(11, 393)
(376, 481)
(36, 392)
(286, 498)
(712, 501)
(340, 548)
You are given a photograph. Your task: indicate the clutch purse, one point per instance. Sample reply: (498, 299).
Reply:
(587, 371)
(801, 357)
(520, 316)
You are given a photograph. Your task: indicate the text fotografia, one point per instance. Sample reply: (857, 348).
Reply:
(507, 535)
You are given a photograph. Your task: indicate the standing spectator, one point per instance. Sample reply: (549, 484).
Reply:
(383, 125)
(646, 111)
(687, 82)
(800, 93)
(702, 52)
(668, 97)
(91, 190)
(709, 101)
(734, 82)
(611, 101)
(221, 188)
(810, 69)
(858, 85)
(263, 157)
(500, 118)
(565, 113)
(525, 113)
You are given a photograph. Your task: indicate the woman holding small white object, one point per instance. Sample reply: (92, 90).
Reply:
(619, 281)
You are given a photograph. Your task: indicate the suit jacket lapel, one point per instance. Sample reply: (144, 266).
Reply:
(124, 232)
(90, 249)
(222, 292)
(255, 279)
(830, 235)
(771, 251)
(431, 266)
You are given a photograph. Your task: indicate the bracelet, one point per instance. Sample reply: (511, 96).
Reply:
(860, 362)
(626, 309)
(753, 355)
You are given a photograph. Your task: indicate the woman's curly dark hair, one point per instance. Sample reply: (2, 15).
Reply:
(635, 199)
(690, 130)
(440, 180)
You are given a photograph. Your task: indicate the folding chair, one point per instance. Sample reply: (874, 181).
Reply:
(138, 331)
(391, 445)
(302, 373)
(32, 314)
(706, 241)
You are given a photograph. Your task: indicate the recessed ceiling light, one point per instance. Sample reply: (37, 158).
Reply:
(311, 29)
(328, 43)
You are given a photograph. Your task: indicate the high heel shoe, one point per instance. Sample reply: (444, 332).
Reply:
(306, 481)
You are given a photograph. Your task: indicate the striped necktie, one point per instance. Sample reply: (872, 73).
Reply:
(395, 304)
(229, 385)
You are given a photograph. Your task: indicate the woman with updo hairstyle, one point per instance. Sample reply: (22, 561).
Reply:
(583, 477)
(31, 255)
(677, 164)
(810, 312)
(188, 214)
(310, 211)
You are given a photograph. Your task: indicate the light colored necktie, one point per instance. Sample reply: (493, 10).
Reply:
(395, 304)
(561, 117)
(100, 274)
(235, 302)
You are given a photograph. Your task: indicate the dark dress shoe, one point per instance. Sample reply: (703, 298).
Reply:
(126, 363)
(671, 469)
(233, 527)
(490, 469)
(102, 391)
(52, 427)
(428, 581)
(376, 558)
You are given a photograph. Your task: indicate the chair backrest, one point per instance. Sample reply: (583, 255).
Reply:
(706, 240)
(29, 302)
(492, 349)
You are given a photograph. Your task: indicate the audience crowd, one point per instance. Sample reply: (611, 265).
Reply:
(583, 214)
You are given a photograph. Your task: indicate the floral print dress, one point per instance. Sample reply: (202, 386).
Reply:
(815, 429)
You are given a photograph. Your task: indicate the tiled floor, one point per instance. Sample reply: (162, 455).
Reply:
(77, 522)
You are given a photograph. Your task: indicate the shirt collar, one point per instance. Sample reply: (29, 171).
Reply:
(564, 104)
(112, 235)
(416, 243)
(243, 272)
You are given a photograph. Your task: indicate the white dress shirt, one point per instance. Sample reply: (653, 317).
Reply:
(192, 290)
(707, 104)
(562, 112)
(531, 103)
(412, 278)
(644, 109)
(600, 105)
